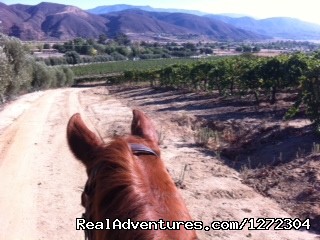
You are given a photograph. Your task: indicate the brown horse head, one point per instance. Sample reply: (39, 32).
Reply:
(127, 180)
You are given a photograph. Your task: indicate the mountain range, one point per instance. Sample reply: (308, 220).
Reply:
(277, 27)
(122, 7)
(50, 21)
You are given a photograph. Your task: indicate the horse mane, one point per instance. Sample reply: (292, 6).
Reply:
(127, 186)
(118, 192)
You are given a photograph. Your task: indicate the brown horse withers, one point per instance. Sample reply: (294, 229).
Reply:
(128, 184)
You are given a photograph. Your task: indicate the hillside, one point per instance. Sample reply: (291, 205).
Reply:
(180, 24)
(122, 7)
(49, 21)
(278, 27)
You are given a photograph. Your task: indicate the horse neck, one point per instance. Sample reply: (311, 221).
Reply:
(160, 189)
(135, 187)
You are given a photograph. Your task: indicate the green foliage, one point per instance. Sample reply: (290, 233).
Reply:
(61, 78)
(122, 39)
(6, 75)
(272, 72)
(203, 135)
(260, 76)
(310, 85)
(42, 77)
(102, 38)
(219, 76)
(246, 48)
(46, 46)
(121, 48)
(69, 76)
(292, 112)
(206, 50)
(72, 57)
(280, 45)
(60, 48)
(119, 67)
(238, 49)
(15, 53)
(51, 77)
(256, 49)
(20, 73)
(118, 56)
(14, 71)
(295, 67)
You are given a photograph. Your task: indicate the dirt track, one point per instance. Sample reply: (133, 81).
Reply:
(40, 182)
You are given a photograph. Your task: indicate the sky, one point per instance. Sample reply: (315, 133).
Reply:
(307, 10)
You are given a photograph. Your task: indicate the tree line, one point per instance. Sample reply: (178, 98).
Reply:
(261, 77)
(20, 73)
(81, 50)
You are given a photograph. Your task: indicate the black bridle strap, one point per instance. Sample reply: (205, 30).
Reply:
(138, 149)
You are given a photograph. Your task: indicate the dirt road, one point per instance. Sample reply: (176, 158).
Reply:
(41, 183)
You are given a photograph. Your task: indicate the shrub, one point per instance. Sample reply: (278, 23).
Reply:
(57, 61)
(150, 56)
(25, 76)
(203, 135)
(41, 76)
(20, 73)
(13, 66)
(60, 48)
(69, 75)
(5, 75)
(46, 46)
(103, 58)
(72, 57)
(118, 57)
(15, 53)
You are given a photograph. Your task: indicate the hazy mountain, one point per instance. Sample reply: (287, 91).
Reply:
(122, 7)
(118, 8)
(57, 21)
(232, 15)
(278, 27)
(143, 22)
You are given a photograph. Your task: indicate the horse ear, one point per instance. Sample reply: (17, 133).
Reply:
(142, 126)
(81, 140)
